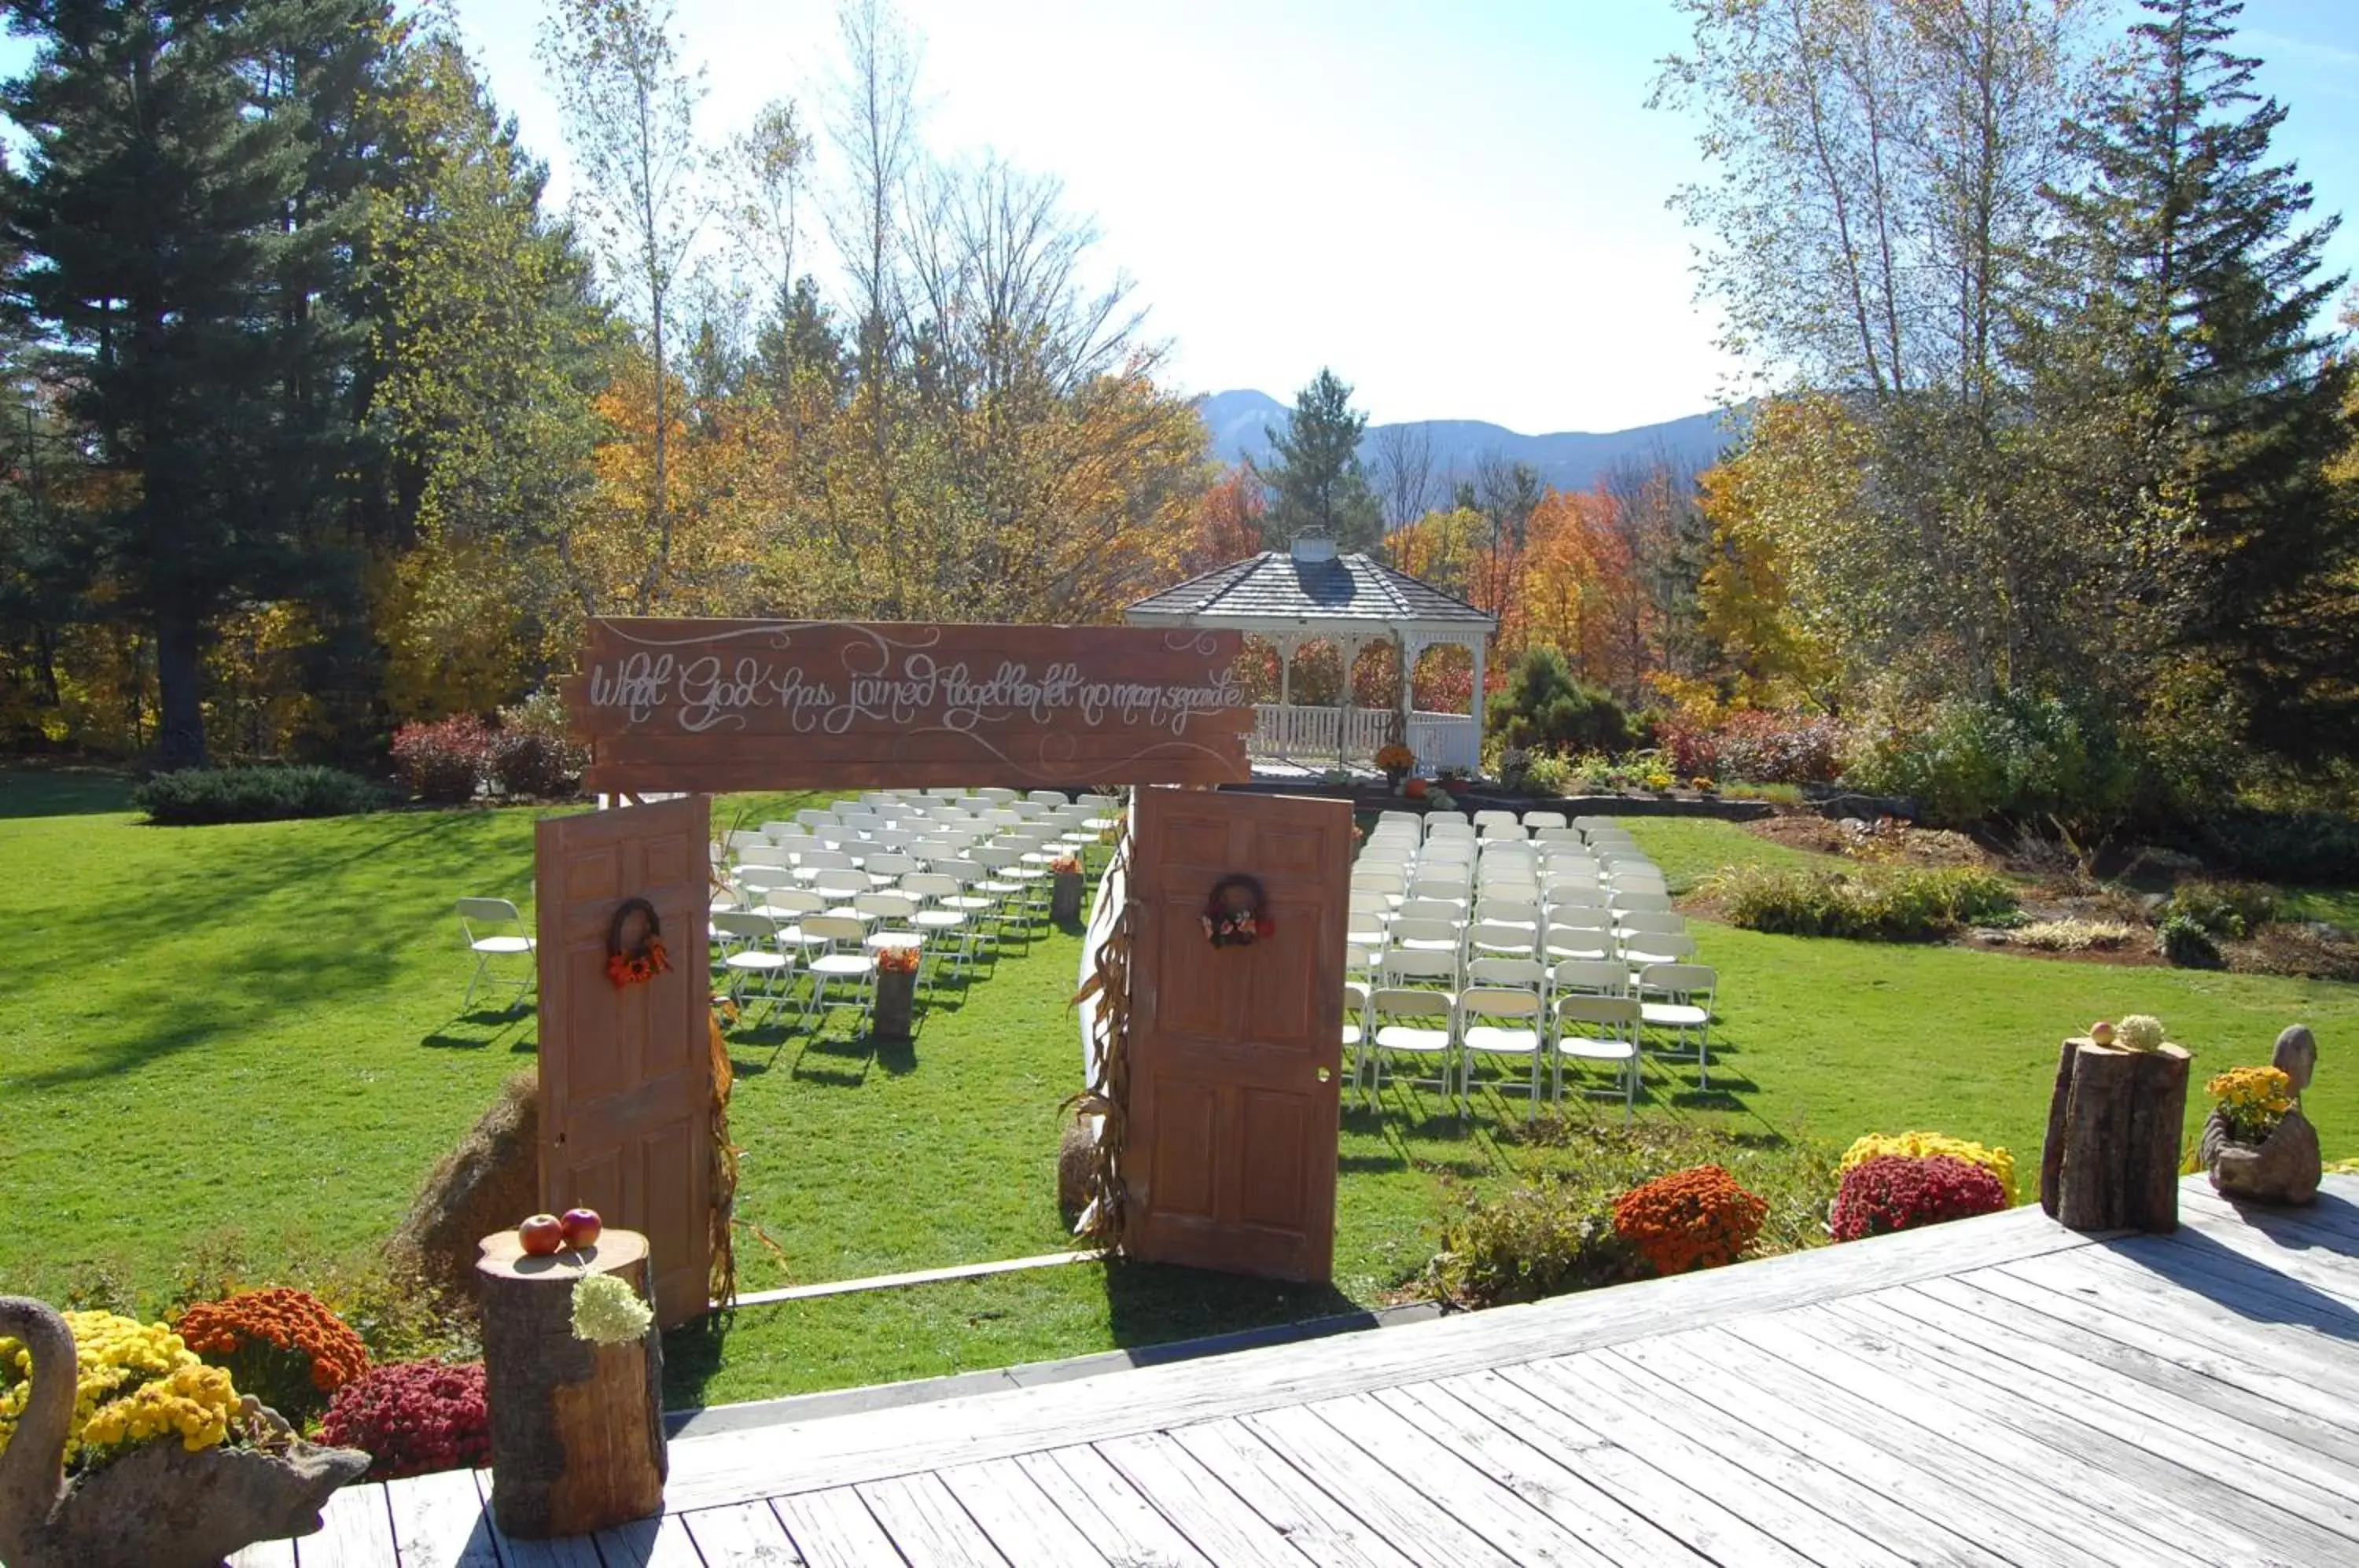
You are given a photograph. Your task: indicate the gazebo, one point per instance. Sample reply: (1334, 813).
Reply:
(1313, 594)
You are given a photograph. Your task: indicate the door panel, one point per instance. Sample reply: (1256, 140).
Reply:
(627, 1077)
(1236, 1051)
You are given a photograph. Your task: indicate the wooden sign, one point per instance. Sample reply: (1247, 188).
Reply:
(723, 704)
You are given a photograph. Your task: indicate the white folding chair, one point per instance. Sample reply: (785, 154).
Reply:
(492, 929)
(1601, 1029)
(1413, 1022)
(1640, 949)
(1502, 939)
(1576, 938)
(845, 958)
(1589, 978)
(1638, 898)
(750, 951)
(946, 927)
(1539, 821)
(1679, 998)
(1500, 1020)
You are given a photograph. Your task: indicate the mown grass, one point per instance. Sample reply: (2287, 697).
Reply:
(255, 1028)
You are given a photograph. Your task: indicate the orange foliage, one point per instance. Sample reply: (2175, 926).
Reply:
(1227, 523)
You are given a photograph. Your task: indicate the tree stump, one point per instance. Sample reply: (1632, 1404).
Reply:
(577, 1429)
(1065, 899)
(2110, 1161)
(897, 1001)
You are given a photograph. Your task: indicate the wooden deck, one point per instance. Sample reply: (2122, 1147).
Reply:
(1994, 1392)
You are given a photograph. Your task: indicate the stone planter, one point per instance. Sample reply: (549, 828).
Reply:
(2285, 1167)
(158, 1505)
(897, 997)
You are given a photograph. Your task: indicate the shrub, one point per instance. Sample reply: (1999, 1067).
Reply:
(2015, 756)
(1755, 744)
(1691, 1219)
(2185, 944)
(283, 1346)
(413, 1418)
(193, 797)
(443, 762)
(1924, 1146)
(536, 753)
(1900, 1191)
(1548, 774)
(2223, 909)
(2308, 847)
(1528, 1243)
(1545, 706)
(1880, 904)
(2072, 935)
(524, 764)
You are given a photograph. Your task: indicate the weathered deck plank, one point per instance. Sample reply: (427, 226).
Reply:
(1994, 1466)
(929, 1526)
(1021, 1521)
(1999, 1393)
(747, 1533)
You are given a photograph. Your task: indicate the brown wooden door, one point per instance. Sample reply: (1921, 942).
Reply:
(1235, 1081)
(627, 1077)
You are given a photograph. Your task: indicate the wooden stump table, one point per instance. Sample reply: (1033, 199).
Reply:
(2114, 1124)
(577, 1429)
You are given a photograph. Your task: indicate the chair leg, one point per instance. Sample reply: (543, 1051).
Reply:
(482, 962)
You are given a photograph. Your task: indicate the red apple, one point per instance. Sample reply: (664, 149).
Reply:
(582, 1228)
(542, 1235)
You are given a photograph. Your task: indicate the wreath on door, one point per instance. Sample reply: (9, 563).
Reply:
(635, 963)
(1236, 914)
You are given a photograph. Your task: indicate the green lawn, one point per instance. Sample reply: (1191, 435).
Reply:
(255, 1029)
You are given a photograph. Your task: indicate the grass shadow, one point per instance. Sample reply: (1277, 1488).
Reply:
(69, 790)
(1150, 1304)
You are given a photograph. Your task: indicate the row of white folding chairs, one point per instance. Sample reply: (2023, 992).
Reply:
(1503, 924)
(836, 934)
(793, 842)
(1676, 998)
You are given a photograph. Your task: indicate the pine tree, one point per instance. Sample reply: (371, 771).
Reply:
(2187, 349)
(185, 214)
(1317, 481)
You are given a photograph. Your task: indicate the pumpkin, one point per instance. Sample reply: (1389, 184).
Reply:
(1414, 788)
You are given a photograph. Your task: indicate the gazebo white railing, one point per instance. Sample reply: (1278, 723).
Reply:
(1292, 598)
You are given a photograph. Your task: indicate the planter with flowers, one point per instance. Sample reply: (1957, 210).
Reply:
(1395, 762)
(2256, 1143)
(1065, 890)
(119, 1444)
(896, 991)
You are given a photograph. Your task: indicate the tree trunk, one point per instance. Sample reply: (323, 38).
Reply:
(2111, 1160)
(179, 685)
(577, 1429)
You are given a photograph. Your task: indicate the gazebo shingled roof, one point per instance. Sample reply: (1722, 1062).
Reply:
(1281, 589)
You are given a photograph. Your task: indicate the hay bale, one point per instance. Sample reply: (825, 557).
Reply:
(1073, 1167)
(487, 1183)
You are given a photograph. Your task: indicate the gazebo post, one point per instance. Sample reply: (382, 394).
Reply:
(1480, 642)
(1349, 647)
(1407, 657)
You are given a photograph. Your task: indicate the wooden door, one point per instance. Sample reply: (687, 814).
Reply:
(627, 1077)
(1235, 1076)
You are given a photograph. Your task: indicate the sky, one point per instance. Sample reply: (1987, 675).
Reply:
(1457, 205)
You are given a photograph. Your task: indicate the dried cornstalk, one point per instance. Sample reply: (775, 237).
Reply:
(1108, 1095)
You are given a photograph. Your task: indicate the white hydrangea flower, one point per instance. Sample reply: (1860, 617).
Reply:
(2138, 1032)
(607, 1311)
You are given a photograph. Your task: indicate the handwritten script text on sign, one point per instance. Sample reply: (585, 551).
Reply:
(710, 691)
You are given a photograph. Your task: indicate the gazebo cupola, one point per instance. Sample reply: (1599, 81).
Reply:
(1312, 592)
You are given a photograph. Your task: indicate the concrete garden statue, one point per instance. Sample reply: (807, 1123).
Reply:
(2257, 1144)
(166, 1467)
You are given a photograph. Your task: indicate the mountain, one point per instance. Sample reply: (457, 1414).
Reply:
(1569, 459)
